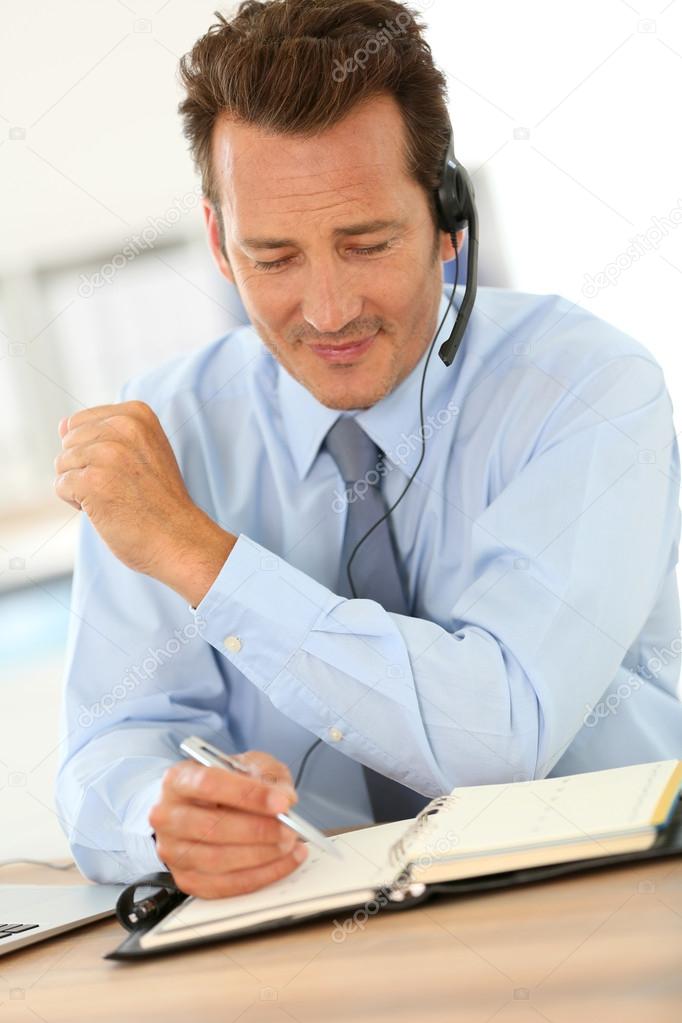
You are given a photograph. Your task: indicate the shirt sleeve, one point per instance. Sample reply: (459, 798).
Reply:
(139, 677)
(564, 566)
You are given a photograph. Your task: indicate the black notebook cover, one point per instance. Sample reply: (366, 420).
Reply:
(668, 843)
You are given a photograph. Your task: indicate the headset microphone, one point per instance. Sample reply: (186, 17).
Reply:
(455, 201)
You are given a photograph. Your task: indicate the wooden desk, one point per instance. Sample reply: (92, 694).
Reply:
(603, 947)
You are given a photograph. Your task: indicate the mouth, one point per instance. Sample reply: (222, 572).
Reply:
(347, 352)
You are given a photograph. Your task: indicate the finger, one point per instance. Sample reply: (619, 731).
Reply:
(190, 780)
(88, 433)
(106, 452)
(71, 487)
(267, 767)
(216, 825)
(185, 854)
(238, 882)
(140, 409)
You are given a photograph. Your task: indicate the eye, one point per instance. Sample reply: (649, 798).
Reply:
(275, 263)
(270, 266)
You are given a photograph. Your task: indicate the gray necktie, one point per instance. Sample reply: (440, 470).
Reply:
(376, 574)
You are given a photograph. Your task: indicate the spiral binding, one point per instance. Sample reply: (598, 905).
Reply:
(398, 851)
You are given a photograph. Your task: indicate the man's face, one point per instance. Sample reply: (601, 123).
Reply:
(329, 242)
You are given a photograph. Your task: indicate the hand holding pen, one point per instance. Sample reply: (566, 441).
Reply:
(217, 830)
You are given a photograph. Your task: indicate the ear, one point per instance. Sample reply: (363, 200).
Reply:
(447, 251)
(213, 232)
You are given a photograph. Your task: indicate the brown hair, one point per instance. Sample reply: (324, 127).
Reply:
(298, 66)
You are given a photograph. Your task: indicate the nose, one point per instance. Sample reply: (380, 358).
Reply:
(330, 300)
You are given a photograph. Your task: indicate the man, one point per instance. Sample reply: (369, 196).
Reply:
(511, 612)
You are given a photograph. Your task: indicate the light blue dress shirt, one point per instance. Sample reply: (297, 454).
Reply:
(540, 539)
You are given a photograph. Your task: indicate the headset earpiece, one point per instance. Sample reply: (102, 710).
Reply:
(455, 193)
(456, 206)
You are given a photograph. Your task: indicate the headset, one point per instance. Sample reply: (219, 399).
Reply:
(456, 207)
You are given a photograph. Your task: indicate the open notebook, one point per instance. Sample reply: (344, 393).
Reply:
(476, 831)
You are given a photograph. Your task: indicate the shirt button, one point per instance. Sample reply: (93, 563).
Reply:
(233, 643)
(335, 734)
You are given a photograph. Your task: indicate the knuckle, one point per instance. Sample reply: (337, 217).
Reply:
(173, 785)
(156, 816)
(163, 848)
(124, 426)
(201, 782)
(141, 408)
(184, 881)
(169, 778)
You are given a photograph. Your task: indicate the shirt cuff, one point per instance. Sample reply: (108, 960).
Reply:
(260, 609)
(140, 847)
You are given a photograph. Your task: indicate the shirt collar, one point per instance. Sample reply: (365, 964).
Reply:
(393, 422)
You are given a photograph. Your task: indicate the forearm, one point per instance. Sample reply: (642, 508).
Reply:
(402, 695)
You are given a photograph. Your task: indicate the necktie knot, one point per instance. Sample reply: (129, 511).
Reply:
(356, 455)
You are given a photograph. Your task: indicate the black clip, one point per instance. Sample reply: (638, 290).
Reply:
(150, 909)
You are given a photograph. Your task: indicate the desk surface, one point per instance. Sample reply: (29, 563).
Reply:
(605, 946)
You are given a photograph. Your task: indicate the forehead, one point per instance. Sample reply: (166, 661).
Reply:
(262, 172)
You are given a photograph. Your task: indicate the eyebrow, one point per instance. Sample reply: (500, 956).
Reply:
(366, 227)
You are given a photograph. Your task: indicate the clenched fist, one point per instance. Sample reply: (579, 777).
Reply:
(117, 465)
(217, 831)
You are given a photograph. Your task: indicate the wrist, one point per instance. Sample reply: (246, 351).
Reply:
(197, 560)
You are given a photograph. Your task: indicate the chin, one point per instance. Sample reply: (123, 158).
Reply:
(345, 396)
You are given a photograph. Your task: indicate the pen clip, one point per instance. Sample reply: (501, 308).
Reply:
(155, 905)
(207, 754)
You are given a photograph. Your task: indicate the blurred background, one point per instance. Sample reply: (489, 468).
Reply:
(565, 114)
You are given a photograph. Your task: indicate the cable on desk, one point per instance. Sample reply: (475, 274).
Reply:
(40, 862)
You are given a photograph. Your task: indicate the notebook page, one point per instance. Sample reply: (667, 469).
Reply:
(578, 807)
(365, 866)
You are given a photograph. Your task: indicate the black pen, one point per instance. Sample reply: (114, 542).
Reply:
(153, 905)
